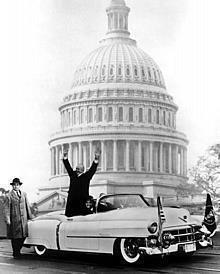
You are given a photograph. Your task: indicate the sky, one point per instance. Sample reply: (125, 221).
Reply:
(43, 41)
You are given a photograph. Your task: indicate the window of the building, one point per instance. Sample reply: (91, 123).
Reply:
(135, 71)
(111, 70)
(158, 73)
(119, 71)
(128, 70)
(82, 116)
(120, 114)
(96, 70)
(169, 119)
(155, 76)
(90, 118)
(103, 70)
(172, 120)
(130, 114)
(69, 118)
(157, 116)
(100, 114)
(149, 115)
(110, 114)
(143, 72)
(164, 117)
(149, 73)
(74, 117)
(140, 115)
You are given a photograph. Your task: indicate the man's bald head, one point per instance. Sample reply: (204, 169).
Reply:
(79, 169)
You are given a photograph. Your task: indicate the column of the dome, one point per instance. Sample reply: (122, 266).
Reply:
(127, 147)
(90, 152)
(60, 159)
(139, 156)
(147, 163)
(181, 160)
(84, 155)
(57, 161)
(66, 119)
(161, 157)
(75, 154)
(170, 159)
(71, 153)
(176, 159)
(71, 117)
(102, 156)
(114, 110)
(118, 11)
(115, 20)
(126, 22)
(61, 120)
(80, 152)
(185, 161)
(51, 159)
(151, 156)
(115, 155)
(64, 122)
(54, 160)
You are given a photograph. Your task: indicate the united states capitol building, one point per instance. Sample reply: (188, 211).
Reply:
(119, 105)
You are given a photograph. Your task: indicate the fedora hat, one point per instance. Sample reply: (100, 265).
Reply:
(16, 180)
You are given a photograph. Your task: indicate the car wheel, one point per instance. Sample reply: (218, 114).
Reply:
(129, 250)
(40, 250)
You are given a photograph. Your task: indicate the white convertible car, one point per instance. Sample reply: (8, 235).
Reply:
(124, 225)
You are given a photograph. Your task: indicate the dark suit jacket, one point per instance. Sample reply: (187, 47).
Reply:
(78, 189)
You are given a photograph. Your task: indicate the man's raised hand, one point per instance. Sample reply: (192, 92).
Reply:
(65, 154)
(97, 156)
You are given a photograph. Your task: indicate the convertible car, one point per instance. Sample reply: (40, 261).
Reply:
(124, 225)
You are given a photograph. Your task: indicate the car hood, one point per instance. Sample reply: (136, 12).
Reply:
(173, 216)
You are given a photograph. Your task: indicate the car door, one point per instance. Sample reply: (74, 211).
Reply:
(80, 233)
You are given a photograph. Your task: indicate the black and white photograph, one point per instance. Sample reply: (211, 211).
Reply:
(110, 136)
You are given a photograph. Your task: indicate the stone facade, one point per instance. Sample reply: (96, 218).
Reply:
(119, 104)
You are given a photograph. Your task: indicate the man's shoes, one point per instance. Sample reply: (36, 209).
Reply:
(17, 255)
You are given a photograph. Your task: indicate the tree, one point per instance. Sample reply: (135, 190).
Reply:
(186, 189)
(3, 192)
(206, 173)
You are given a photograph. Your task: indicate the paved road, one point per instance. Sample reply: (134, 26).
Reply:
(206, 261)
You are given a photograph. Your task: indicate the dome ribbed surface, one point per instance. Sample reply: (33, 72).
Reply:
(120, 60)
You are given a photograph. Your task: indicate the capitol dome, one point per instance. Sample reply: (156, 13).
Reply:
(118, 104)
(118, 61)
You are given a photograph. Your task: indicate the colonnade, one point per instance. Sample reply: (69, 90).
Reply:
(123, 155)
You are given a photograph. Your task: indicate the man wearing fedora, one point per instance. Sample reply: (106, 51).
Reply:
(17, 214)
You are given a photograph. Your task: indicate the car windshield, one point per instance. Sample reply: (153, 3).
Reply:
(120, 201)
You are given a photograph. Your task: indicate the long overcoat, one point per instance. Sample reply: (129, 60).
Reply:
(18, 211)
(78, 189)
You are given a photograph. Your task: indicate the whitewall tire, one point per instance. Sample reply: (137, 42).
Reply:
(40, 250)
(129, 250)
